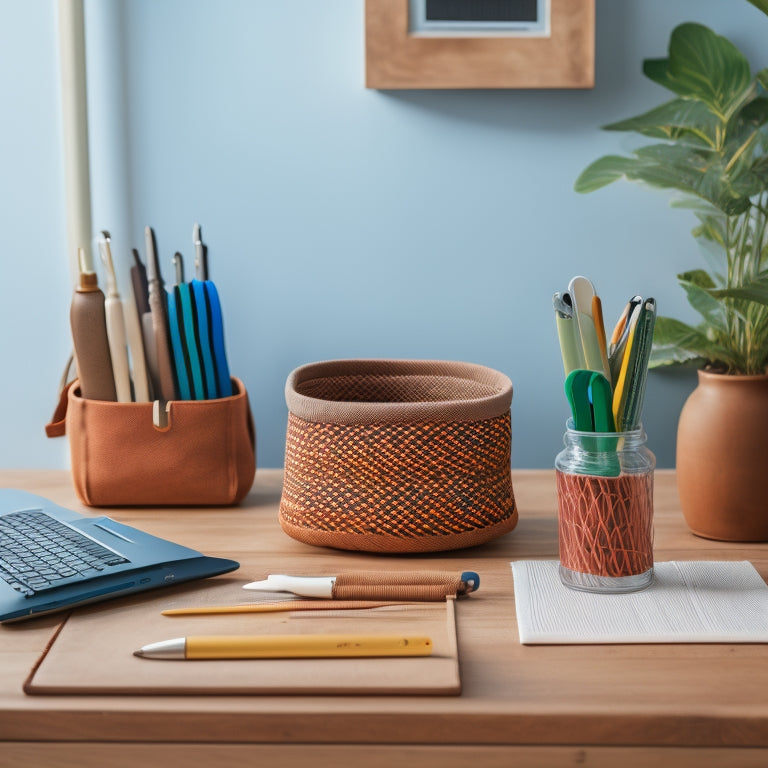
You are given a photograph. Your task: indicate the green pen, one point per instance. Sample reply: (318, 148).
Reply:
(638, 367)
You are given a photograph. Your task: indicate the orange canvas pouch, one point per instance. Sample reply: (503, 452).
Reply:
(204, 455)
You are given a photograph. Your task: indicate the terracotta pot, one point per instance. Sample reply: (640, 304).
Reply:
(722, 458)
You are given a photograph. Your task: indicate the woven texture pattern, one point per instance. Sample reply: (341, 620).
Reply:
(379, 391)
(606, 523)
(387, 388)
(394, 485)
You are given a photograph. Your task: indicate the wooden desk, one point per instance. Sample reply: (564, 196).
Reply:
(679, 705)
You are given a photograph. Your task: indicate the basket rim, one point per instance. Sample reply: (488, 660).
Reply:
(320, 410)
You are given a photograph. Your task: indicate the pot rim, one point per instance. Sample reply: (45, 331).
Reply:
(724, 376)
(472, 408)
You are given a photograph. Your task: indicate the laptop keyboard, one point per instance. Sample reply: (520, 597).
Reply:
(38, 552)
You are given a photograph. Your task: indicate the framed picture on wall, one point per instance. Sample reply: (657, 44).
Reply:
(479, 44)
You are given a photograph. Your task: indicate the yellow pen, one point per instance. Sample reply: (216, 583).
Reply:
(286, 647)
(620, 388)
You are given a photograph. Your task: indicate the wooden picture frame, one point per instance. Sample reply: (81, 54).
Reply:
(397, 59)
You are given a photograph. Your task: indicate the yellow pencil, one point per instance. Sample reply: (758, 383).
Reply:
(286, 647)
(281, 605)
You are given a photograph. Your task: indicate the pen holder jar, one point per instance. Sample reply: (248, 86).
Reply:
(397, 455)
(605, 510)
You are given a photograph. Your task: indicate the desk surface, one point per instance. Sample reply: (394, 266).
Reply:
(555, 705)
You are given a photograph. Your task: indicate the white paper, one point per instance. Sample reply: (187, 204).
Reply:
(688, 602)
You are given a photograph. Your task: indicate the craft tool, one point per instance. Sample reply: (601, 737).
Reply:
(203, 337)
(140, 289)
(116, 334)
(189, 334)
(621, 385)
(201, 254)
(597, 316)
(217, 340)
(89, 335)
(638, 366)
(135, 337)
(404, 585)
(582, 293)
(210, 323)
(619, 338)
(279, 606)
(178, 267)
(568, 332)
(286, 647)
(159, 309)
(140, 284)
(577, 393)
(180, 358)
(589, 394)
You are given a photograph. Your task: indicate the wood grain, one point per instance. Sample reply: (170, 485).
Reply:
(397, 60)
(675, 704)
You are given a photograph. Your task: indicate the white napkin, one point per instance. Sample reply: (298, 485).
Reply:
(688, 602)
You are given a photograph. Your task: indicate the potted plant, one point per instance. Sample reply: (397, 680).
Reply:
(710, 145)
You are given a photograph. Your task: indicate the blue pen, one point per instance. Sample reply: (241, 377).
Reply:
(191, 345)
(177, 342)
(217, 340)
(206, 348)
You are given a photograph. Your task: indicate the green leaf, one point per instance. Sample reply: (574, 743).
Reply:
(697, 277)
(668, 355)
(762, 78)
(761, 4)
(697, 285)
(744, 135)
(602, 172)
(760, 169)
(712, 228)
(673, 336)
(681, 120)
(755, 290)
(669, 167)
(704, 66)
(658, 71)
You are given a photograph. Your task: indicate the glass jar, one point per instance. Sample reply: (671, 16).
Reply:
(605, 510)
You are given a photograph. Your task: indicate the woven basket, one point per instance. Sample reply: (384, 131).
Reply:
(397, 455)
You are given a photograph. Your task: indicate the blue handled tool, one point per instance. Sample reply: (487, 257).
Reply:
(191, 343)
(217, 340)
(180, 358)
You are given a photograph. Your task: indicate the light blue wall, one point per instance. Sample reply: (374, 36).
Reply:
(341, 222)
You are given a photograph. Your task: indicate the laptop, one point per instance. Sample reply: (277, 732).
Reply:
(52, 558)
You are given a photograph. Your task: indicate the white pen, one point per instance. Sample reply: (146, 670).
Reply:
(392, 585)
(113, 308)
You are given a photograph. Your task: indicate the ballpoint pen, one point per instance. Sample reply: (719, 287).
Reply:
(286, 647)
(116, 333)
